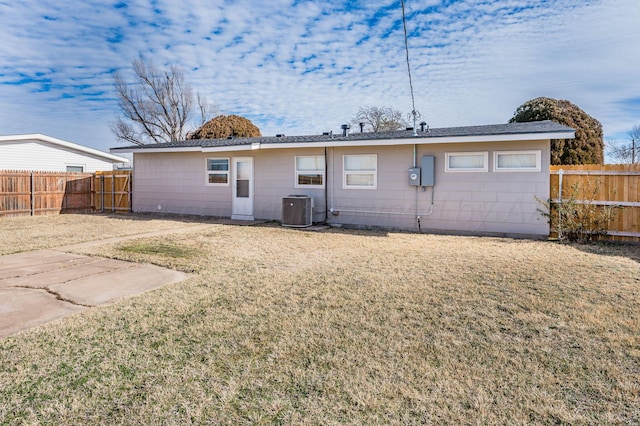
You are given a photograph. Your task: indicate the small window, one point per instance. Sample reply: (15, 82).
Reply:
(75, 169)
(310, 172)
(360, 171)
(218, 171)
(467, 162)
(517, 161)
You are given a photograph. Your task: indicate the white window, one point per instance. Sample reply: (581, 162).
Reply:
(467, 162)
(310, 171)
(360, 171)
(218, 171)
(75, 169)
(517, 161)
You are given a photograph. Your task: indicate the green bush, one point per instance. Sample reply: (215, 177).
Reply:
(579, 218)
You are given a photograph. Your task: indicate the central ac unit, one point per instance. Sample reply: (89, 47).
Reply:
(297, 211)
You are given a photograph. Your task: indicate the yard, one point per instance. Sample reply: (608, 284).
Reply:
(333, 327)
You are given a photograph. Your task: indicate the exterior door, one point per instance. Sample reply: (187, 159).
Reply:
(242, 188)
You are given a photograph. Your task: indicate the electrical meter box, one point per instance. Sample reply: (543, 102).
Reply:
(427, 178)
(414, 176)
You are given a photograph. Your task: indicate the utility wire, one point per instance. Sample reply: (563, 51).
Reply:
(406, 48)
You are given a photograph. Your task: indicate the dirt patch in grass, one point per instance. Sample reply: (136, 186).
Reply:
(160, 249)
(171, 252)
(283, 326)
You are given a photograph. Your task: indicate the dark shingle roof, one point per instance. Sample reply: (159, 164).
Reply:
(446, 132)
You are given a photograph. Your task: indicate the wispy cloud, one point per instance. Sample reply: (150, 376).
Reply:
(301, 66)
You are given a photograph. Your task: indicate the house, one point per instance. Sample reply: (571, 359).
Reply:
(477, 179)
(37, 152)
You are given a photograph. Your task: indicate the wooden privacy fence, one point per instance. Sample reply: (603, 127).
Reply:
(604, 185)
(43, 193)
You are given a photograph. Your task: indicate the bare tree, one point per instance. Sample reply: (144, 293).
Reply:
(157, 106)
(207, 109)
(628, 151)
(379, 119)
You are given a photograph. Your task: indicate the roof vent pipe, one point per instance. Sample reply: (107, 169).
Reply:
(422, 126)
(345, 130)
(361, 127)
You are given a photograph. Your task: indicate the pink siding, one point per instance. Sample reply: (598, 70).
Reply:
(482, 202)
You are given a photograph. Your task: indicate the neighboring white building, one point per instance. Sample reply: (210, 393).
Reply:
(37, 152)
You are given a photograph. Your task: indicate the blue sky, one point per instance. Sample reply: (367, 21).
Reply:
(304, 67)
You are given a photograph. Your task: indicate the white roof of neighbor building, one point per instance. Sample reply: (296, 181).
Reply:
(65, 144)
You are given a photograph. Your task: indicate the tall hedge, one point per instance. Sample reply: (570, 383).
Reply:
(224, 126)
(588, 145)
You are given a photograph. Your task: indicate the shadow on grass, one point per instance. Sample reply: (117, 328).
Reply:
(214, 220)
(617, 249)
(147, 217)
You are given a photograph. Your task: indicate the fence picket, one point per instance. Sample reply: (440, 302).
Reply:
(619, 186)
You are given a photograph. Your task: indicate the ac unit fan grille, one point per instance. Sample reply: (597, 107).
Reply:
(296, 211)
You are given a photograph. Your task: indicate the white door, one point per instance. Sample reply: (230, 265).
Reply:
(242, 188)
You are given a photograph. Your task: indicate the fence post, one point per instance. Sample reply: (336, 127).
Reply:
(560, 173)
(101, 193)
(113, 192)
(33, 196)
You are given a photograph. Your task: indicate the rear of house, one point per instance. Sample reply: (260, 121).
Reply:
(480, 179)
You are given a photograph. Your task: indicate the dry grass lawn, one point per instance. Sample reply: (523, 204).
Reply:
(335, 327)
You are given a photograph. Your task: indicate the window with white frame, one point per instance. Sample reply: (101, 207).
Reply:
(467, 162)
(517, 161)
(310, 171)
(75, 169)
(218, 171)
(360, 171)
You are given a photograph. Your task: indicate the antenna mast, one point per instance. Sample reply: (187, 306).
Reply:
(414, 113)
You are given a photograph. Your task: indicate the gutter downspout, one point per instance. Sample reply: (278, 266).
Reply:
(333, 180)
(326, 198)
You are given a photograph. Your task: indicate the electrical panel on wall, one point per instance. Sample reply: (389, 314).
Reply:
(427, 177)
(414, 176)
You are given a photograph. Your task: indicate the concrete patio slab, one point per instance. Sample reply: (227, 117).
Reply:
(116, 284)
(33, 262)
(23, 308)
(41, 286)
(92, 267)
